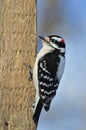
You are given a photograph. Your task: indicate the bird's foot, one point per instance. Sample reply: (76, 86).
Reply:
(30, 73)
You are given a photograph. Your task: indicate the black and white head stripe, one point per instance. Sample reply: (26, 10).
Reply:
(55, 37)
(56, 41)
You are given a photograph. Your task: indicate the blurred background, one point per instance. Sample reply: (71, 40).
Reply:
(67, 19)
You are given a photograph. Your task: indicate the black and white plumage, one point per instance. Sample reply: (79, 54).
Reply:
(48, 70)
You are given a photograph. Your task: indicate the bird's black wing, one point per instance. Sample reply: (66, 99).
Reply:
(48, 82)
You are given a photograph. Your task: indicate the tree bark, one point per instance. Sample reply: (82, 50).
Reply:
(17, 46)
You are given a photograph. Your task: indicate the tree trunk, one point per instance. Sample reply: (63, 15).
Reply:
(17, 46)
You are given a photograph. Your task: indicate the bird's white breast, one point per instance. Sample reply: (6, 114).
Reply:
(41, 53)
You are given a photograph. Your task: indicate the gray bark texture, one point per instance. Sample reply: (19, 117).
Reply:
(17, 46)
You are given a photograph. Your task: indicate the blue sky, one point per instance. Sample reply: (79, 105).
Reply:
(68, 19)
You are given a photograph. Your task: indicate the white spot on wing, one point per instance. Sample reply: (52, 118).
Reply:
(48, 93)
(44, 84)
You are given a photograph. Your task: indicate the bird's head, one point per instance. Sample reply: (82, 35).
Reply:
(55, 42)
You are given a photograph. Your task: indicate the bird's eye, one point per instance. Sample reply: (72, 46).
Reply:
(52, 40)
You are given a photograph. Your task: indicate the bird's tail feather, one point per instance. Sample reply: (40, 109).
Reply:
(37, 112)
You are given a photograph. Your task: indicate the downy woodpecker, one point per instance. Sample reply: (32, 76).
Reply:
(47, 72)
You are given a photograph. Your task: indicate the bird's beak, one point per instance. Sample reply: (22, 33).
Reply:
(45, 39)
